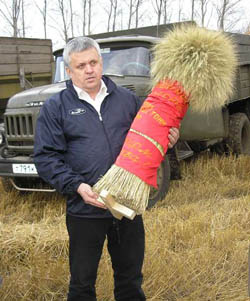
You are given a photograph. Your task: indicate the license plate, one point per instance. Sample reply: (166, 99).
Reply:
(24, 168)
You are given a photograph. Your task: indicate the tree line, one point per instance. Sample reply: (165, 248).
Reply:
(71, 18)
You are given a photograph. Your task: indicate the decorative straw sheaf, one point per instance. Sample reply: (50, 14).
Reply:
(201, 60)
(128, 189)
(204, 63)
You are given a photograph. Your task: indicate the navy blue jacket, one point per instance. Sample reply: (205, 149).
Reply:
(73, 145)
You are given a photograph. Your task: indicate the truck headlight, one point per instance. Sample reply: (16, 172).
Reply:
(1, 138)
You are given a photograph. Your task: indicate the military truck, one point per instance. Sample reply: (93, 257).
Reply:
(126, 59)
(24, 63)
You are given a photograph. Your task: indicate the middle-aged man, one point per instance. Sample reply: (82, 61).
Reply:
(79, 134)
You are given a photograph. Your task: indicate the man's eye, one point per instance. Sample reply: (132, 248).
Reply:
(93, 63)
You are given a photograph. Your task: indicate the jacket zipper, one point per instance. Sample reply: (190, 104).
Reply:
(100, 116)
(106, 135)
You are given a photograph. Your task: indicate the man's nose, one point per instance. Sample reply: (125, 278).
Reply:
(89, 68)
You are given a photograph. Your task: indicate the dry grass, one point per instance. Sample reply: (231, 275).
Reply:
(197, 240)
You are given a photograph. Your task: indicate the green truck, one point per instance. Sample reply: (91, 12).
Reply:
(126, 59)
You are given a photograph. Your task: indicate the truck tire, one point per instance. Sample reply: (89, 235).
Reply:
(239, 134)
(163, 181)
(7, 186)
(247, 109)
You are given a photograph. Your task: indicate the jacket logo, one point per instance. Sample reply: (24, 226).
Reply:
(78, 111)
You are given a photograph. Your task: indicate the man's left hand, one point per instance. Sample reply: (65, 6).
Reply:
(173, 136)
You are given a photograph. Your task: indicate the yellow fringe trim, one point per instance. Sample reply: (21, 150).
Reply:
(127, 189)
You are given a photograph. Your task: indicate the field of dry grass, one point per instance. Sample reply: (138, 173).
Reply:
(197, 240)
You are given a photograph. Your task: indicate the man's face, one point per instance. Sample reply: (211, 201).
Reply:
(85, 70)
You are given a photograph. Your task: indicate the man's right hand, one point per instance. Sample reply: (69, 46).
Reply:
(89, 196)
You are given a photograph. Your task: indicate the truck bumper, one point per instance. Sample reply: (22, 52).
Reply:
(22, 174)
(17, 167)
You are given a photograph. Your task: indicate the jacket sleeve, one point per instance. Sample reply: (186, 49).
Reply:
(49, 148)
(138, 102)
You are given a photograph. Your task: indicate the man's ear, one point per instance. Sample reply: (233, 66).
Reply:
(68, 71)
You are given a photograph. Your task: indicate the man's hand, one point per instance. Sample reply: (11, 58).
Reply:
(173, 136)
(89, 196)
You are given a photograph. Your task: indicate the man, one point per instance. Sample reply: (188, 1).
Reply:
(79, 134)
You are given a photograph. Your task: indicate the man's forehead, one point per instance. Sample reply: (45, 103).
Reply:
(85, 52)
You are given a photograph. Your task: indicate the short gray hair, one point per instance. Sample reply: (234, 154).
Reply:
(79, 44)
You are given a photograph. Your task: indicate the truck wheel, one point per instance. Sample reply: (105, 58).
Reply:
(163, 181)
(7, 186)
(247, 109)
(239, 134)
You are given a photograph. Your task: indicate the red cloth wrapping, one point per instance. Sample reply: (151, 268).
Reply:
(164, 108)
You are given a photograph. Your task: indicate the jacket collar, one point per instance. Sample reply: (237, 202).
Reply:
(108, 82)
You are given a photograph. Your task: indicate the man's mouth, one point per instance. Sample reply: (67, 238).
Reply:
(91, 78)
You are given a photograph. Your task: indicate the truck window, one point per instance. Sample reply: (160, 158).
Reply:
(60, 73)
(116, 61)
(128, 61)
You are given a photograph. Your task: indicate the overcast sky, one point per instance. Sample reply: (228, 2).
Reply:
(34, 23)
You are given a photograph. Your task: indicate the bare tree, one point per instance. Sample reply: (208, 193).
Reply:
(130, 13)
(114, 14)
(137, 6)
(84, 16)
(71, 18)
(162, 9)
(157, 4)
(227, 10)
(90, 11)
(134, 6)
(121, 18)
(63, 13)
(203, 10)
(23, 19)
(110, 10)
(11, 14)
(166, 11)
(63, 8)
(43, 11)
(180, 6)
(192, 10)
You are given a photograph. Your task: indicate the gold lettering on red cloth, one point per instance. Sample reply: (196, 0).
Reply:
(133, 144)
(164, 108)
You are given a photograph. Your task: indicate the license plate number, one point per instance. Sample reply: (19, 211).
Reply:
(24, 168)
